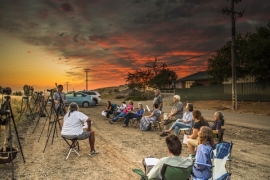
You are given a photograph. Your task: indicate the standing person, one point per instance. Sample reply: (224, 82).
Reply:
(176, 112)
(109, 109)
(175, 159)
(73, 127)
(203, 155)
(57, 97)
(158, 100)
(192, 140)
(185, 122)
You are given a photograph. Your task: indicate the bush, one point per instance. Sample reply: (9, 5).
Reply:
(135, 98)
(119, 97)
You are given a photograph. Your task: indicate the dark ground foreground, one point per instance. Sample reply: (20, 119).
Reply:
(122, 149)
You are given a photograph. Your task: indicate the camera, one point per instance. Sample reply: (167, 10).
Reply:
(49, 90)
(6, 90)
(28, 90)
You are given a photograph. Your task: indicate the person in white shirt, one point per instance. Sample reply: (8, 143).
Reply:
(73, 127)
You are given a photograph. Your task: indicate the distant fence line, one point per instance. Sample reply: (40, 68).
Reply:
(245, 92)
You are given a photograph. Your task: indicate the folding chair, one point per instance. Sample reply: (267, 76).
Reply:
(187, 131)
(114, 109)
(169, 173)
(222, 155)
(135, 121)
(156, 124)
(220, 134)
(73, 146)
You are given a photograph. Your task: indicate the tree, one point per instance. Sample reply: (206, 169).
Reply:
(139, 79)
(165, 75)
(154, 76)
(253, 58)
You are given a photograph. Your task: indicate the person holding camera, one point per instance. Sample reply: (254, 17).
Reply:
(58, 97)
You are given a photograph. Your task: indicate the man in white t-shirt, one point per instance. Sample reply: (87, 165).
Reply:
(73, 127)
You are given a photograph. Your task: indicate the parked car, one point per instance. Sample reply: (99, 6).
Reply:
(80, 98)
(95, 95)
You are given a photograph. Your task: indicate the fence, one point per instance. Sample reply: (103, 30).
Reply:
(245, 92)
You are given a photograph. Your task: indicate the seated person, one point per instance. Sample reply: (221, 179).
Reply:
(146, 120)
(109, 109)
(175, 159)
(121, 108)
(176, 112)
(73, 127)
(128, 109)
(185, 122)
(204, 154)
(218, 123)
(131, 115)
(192, 140)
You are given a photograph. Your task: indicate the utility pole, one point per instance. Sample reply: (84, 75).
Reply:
(86, 78)
(233, 55)
(67, 86)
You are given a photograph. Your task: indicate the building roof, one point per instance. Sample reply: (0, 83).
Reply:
(197, 76)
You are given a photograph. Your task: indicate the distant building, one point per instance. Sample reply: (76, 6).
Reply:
(197, 79)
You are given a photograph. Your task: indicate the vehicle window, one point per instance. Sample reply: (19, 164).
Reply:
(79, 95)
(69, 95)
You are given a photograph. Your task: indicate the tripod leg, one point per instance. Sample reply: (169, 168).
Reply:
(48, 137)
(36, 124)
(15, 127)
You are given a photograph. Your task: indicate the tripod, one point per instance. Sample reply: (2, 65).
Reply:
(42, 108)
(56, 111)
(7, 112)
(26, 107)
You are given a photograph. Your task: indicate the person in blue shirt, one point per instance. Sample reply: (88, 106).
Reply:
(202, 169)
(131, 115)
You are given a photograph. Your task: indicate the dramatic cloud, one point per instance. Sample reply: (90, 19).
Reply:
(117, 36)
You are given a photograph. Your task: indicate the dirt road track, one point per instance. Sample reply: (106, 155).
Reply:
(122, 149)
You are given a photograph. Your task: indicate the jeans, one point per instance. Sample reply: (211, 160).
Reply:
(119, 115)
(108, 112)
(129, 116)
(177, 125)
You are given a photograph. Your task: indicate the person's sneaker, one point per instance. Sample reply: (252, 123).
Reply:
(93, 153)
(111, 121)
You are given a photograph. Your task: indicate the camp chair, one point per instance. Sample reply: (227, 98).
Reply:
(222, 154)
(169, 173)
(187, 131)
(220, 134)
(114, 109)
(135, 121)
(156, 124)
(73, 146)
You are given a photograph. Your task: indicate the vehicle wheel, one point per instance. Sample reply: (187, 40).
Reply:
(85, 104)
(95, 100)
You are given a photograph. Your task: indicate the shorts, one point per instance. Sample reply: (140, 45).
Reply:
(82, 136)
(193, 142)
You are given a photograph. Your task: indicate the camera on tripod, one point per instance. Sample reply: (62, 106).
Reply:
(6, 90)
(28, 90)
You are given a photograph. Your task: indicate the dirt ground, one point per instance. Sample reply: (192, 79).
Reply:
(122, 149)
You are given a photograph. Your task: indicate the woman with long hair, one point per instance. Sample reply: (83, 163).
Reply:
(202, 168)
(109, 109)
(192, 140)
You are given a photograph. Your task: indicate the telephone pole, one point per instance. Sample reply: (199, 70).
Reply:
(234, 15)
(67, 86)
(86, 78)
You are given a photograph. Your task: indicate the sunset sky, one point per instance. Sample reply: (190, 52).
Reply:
(43, 42)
